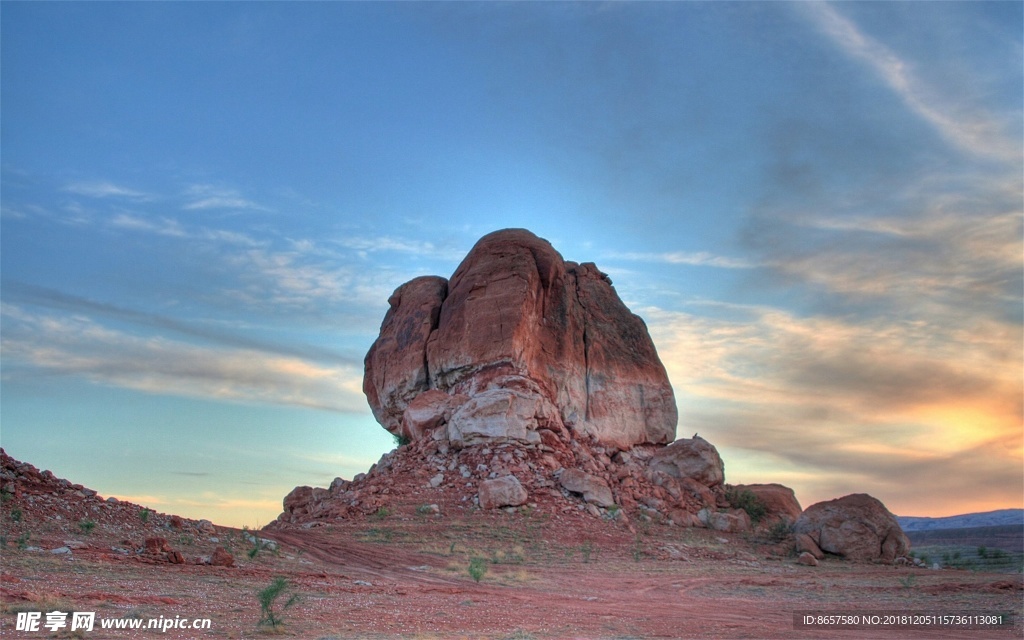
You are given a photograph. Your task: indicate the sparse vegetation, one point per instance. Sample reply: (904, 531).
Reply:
(16, 515)
(746, 500)
(87, 526)
(780, 531)
(381, 513)
(400, 441)
(477, 568)
(908, 581)
(23, 540)
(587, 549)
(637, 549)
(268, 600)
(144, 515)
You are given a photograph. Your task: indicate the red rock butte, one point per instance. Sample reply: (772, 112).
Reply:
(524, 380)
(516, 343)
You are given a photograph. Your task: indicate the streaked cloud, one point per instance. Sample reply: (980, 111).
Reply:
(695, 259)
(161, 226)
(23, 293)
(78, 346)
(204, 196)
(364, 245)
(969, 127)
(104, 189)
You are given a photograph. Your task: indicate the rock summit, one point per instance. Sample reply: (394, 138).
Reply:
(517, 343)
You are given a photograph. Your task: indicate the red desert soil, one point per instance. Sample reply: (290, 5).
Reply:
(404, 573)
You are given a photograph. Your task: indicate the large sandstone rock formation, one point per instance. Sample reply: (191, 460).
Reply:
(857, 527)
(518, 341)
(524, 382)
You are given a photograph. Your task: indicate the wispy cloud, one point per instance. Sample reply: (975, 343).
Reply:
(204, 196)
(161, 226)
(968, 127)
(695, 259)
(78, 306)
(78, 346)
(104, 189)
(424, 248)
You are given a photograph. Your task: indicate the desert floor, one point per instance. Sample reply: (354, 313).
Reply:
(407, 575)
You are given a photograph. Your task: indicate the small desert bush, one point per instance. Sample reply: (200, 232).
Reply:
(780, 531)
(746, 500)
(269, 617)
(477, 568)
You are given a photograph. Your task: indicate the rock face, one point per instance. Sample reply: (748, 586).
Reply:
(520, 341)
(857, 527)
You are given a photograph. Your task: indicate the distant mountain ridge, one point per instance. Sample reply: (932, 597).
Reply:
(998, 517)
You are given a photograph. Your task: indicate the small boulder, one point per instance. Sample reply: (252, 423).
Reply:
(807, 559)
(733, 521)
(594, 489)
(502, 492)
(222, 558)
(694, 458)
(804, 544)
(157, 545)
(857, 527)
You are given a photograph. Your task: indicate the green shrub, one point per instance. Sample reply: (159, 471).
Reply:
(587, 549)
(746, 500)
(144, 515)
(780, 531)
(86, 526)
(268, 599)
(477, 568)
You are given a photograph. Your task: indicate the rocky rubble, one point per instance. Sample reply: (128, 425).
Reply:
(76, 518)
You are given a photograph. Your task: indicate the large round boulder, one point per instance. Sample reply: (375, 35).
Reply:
(857, 527)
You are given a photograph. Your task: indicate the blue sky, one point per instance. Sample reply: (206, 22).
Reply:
(817, 208)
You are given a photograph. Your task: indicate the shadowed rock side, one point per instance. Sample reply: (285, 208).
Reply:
(519, 341)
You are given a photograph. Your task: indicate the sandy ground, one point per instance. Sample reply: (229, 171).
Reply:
(406, 575)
